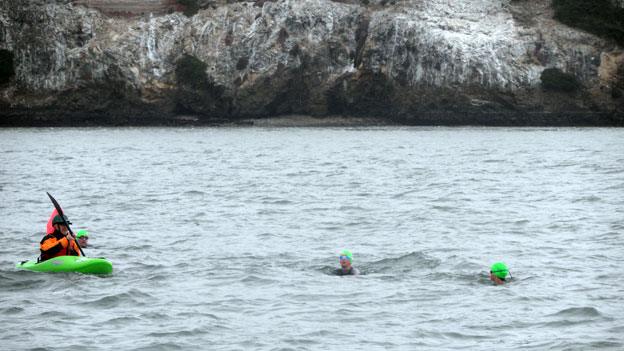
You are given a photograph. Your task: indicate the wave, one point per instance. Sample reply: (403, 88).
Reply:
(156, 277)
(402, 264)
(179, 333)
(462, 336)
(132, 297)
(575, 316)
(594, 345)
(194, 193)
(21, 280)
(124, 320)
(578, 312)
(589, 198)
(131, 248)
(157, 346)
(63, 315)
(255, 280)
(11, 310)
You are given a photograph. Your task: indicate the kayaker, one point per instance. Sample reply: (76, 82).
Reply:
(498, 273)
(346, 258)
(60, 242)
(83, 238)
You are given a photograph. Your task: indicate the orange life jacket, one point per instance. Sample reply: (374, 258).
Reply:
(56, 244)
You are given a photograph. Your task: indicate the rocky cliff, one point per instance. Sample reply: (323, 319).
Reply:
(492, 62)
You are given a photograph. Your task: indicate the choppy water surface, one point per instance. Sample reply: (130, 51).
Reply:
(222, 239)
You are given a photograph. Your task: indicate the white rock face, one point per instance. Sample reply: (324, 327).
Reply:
(450, 43)
(292, 56)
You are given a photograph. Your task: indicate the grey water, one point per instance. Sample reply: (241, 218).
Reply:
(224, 238)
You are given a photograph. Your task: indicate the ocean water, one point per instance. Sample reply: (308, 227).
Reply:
(224, 238)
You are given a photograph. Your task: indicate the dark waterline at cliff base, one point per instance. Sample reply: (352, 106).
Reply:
(502, 119)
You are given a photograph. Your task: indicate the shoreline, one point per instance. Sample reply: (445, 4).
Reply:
(42, 119)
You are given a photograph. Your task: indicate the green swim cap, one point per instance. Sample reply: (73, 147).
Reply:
(499, 269)
(347, 253)
(82, 232)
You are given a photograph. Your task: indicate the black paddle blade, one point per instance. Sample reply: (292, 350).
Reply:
(56, 205)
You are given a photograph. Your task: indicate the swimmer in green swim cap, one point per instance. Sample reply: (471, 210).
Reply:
(83, 238)
(498, 273)
(346, 258)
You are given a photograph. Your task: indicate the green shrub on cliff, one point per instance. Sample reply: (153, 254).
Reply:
(554, 79)
(600, 17)
(197, 92)
(6, 66)
(191, 72)
(190, 7)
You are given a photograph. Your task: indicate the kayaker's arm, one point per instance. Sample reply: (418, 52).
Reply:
(74, 245)
(50, 245)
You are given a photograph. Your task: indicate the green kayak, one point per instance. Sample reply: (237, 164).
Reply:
(86, 265)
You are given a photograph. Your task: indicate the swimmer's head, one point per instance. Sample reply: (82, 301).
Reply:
(500, 270)
(346, 254)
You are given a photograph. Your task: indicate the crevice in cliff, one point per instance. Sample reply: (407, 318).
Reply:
(361, 34)
(365, 93)
(7, 69)
(618, 88)
(294, 96)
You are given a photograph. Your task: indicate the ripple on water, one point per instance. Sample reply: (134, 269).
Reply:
(194, 193)
(578, 312)
(177, 333)
(162, 346)
(575, 316)
(125, 320)
(141, 266)
(52, 315)
(414, 261)
(157, 277)
(21, 280)
(11, 310)
(593, 345)
(463, 336)
(590, 199)
(131, 248)
(132, 297)
(466, 278)
(255, 280)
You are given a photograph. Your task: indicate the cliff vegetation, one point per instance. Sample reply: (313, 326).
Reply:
(601, 17)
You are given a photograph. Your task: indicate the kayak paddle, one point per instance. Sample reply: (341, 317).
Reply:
(60, 213)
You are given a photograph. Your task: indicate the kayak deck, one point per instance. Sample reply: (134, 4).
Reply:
(85, 265)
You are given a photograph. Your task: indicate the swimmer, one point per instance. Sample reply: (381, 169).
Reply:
(498, 273)
(83, 238)
(346, 258)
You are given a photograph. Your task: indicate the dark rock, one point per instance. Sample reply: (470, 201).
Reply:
(556, 80)
(7, 69)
